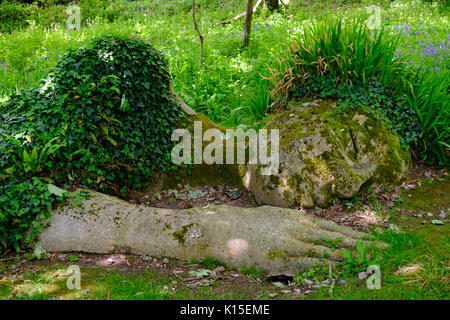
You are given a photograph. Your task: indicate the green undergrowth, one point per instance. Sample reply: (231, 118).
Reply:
(430, 282)
(405, 85)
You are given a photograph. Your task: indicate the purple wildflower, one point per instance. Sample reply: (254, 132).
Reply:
(4, 65)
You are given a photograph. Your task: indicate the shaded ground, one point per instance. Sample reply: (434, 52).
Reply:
(185, 197)
(372, 207)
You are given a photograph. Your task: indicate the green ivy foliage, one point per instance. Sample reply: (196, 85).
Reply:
(372, 97)
(24, 206)
(102, 119)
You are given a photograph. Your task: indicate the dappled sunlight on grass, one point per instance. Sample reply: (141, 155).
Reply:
(110, 284)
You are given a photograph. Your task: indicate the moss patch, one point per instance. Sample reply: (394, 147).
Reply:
(179, 235)
(203, 174)
(334, 151)
(276, 254)
(432, 198)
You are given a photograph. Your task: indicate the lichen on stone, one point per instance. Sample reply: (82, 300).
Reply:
(325, 155)
(180, 234)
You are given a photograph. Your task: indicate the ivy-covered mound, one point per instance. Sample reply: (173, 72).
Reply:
(103, 119)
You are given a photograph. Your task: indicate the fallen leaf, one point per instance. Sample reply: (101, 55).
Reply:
(200, 273)
(278, 284)
(411, 269)
(234, 194)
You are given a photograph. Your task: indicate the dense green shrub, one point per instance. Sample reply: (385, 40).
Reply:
(103, 118)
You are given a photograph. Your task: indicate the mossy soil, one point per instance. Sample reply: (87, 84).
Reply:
(433, 197)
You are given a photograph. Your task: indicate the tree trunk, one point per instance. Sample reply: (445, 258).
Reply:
(247, 23)
(198, 31)
(239, 15)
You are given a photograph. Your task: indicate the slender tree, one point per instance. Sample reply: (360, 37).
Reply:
(247, 23)
(198, 30)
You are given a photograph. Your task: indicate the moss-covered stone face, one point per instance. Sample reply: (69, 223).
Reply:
(203, 174)
(325, 156)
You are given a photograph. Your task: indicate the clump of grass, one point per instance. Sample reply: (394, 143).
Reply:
(346, 53)
(428, 96)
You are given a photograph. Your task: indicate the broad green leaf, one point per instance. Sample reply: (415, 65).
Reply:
(55, 190)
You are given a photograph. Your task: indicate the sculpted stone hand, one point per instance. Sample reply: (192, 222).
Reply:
(278, 240)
